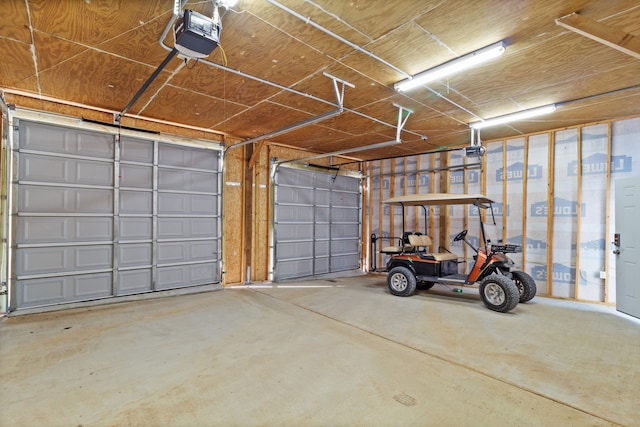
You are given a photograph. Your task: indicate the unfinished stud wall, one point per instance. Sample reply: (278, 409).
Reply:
(233, 248)
(260, 215)
(427, 173)
(554, 195)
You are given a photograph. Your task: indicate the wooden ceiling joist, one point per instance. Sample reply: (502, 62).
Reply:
(602, 33)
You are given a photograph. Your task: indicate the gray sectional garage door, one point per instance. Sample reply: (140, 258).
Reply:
(316, 223)
(94, 218)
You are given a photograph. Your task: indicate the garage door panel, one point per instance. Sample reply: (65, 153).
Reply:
(339, 214)
(171, 252)
(86, 172)
(321, 265)
(54, 259)
(180, 180)
(135, 228)
(344, 262)
(193, 158)
(292, 214)
(288, 213)
(171, 228)
(42, 291)
(296, 178)
(189, 204)
(322, 248)
(345, 199)
(294, 268)
(348, 184)
(134, 281)
(44, 199)
(288, 232)
(295, 196)
(297, 250)
(38, 229)
(56, 290)
(179, 276)
(136, 176)
(62, 140)
(345, 231)
(322, 231)
(135, 254)
(322, 197)
(136, 202)
(136, 150)
(342, 246)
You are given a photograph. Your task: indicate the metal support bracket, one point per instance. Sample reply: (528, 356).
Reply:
(339, 91)
(307, 122)
(401, 121)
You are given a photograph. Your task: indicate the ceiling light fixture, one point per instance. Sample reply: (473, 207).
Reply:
(520, 115)
(462, 63)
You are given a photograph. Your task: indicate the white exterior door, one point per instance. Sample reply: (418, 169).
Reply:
(628, 246)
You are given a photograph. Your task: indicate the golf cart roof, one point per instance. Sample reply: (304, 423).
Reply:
(438, 199)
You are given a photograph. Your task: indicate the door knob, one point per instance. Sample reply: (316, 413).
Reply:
(617, 252)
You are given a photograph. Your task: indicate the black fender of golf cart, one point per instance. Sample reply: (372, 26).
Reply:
(402, 262)
(497, 263)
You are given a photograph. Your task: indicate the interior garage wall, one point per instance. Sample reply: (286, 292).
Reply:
(554, 194)
(248, 208)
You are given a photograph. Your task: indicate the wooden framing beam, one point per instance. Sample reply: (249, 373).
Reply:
(611, 36)
(256, 153)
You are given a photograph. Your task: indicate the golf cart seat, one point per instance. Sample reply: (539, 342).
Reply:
(405, 245)
(418, 241)
(393, 250)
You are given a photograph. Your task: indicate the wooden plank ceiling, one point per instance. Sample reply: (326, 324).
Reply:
(100, 52)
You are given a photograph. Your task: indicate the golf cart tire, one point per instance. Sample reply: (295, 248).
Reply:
(526, 285)
(401, 281)
(499, 293)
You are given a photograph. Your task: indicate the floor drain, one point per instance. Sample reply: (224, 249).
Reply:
(405, 399)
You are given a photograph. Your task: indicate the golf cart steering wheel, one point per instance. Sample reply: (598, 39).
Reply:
(460, 236)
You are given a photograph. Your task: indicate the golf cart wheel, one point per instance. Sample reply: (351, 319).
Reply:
(499, 293)
(401, 281)
(526, 285)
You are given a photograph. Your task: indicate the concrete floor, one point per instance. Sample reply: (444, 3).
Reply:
(332, 352)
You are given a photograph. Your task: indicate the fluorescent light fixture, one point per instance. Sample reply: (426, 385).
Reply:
(521, 115)
(176, 7)
(462, 63)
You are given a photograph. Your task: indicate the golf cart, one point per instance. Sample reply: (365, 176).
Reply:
(412, 263)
